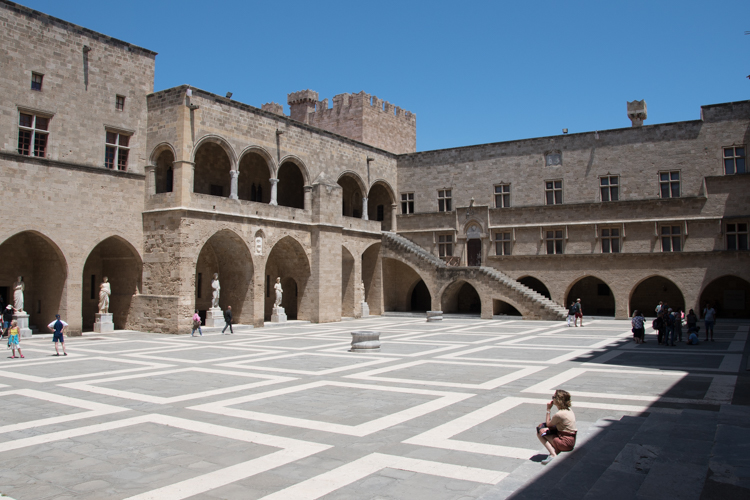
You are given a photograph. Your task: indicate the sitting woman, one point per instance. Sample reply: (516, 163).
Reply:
(558, 433)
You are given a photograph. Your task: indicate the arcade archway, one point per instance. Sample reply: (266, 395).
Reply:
(729, 295)
(253, 183)
(535, 285)
(649, 292)
(461, 297)
(596, 297)
(212, 166)
(288, 261)
(291, 187)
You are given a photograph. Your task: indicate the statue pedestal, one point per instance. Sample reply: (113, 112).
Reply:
(365, 309)
(434, 316)
(278, 315)
(215, 318)
(365, 341)
(23, 324)
(103, 323)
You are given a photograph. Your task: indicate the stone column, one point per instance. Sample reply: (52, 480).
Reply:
(308, 197)
(394, 212)
(151, 180)
(365, 215)
(273, 182)
(233, 184)
(184, 178)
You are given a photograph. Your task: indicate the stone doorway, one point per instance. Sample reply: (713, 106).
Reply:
(474, 252)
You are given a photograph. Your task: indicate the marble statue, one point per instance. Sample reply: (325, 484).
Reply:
(362, 289)
(105, 290)
(18, 288)
(217, 291)
(279, 292)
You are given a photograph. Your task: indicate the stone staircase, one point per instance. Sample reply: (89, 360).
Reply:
(544, 307)
(695, 455)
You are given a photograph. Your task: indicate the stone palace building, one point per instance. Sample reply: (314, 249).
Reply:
(103, 176)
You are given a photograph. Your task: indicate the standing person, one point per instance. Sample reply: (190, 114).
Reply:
(228, 320)
(639, 332)
(692, 322)
(579, 313)
(14, 338)
(658, 307)
(572, 313)
(196, 324)
(58, 334)
(558, 433)
(709, 317)
(670, 319)
(7, 317)
(678, 325)
(660, 326)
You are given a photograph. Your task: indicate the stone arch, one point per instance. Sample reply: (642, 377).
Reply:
(164, 171)
(255, 168)
(596, 296)
(226, 253)
(421, 300)
(399, 280)
(535, 284)
(729, 295)
(647, 293)
(300, 165)
(118, 260)
(348, 284)
(159, 149)
(380, 199)
(372, 277)
(460, 296)
(42, 264)
(503, 308)
(288, 260)
(292, 179)
(213, 158)
(352, 192)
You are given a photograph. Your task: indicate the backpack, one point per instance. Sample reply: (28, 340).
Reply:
(656, 324)
(670, 319)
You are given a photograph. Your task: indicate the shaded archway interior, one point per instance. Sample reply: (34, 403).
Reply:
(596, 297)
(649, 292)
(253, 183)
(44, 272)
(120, 263)
(291, 187)
(212, 166)
(289, 262)
(379, 203)
(227, 254)
(461, 297)
(402, 280)
(351, 197)
(348, 284)
(535, 285)
(502, 308)
(165, 172)
(729, 296)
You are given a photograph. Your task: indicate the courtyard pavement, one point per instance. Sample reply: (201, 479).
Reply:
(445, 410)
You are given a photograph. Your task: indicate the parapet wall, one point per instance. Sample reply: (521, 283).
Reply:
(361, 117)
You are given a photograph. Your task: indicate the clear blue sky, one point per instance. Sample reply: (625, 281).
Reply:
(473, 72)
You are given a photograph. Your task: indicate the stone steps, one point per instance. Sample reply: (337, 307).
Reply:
(548, 308)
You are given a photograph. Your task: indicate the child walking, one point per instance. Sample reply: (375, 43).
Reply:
(14, 339)
(196, 324)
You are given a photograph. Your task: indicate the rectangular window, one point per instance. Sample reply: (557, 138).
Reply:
(734, 160)
(553, 192)
(671, 239)
(737, 236)
(554, 241)
(444, 200)
(32, 135)
(36, 81)
(502, 243)
(669, 183)
(407, 203)
(120, 103)
(116, 151)
(609, 187)
(445, 245)
(502, 195)
(610, 240)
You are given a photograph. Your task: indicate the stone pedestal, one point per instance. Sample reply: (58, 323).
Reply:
(23, 324)
(434, 316)
(278, 315)
(215, 318)
(365, 341)
(104, 323)
(365, 309)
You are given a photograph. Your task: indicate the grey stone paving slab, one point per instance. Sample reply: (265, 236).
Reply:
(613, 437)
